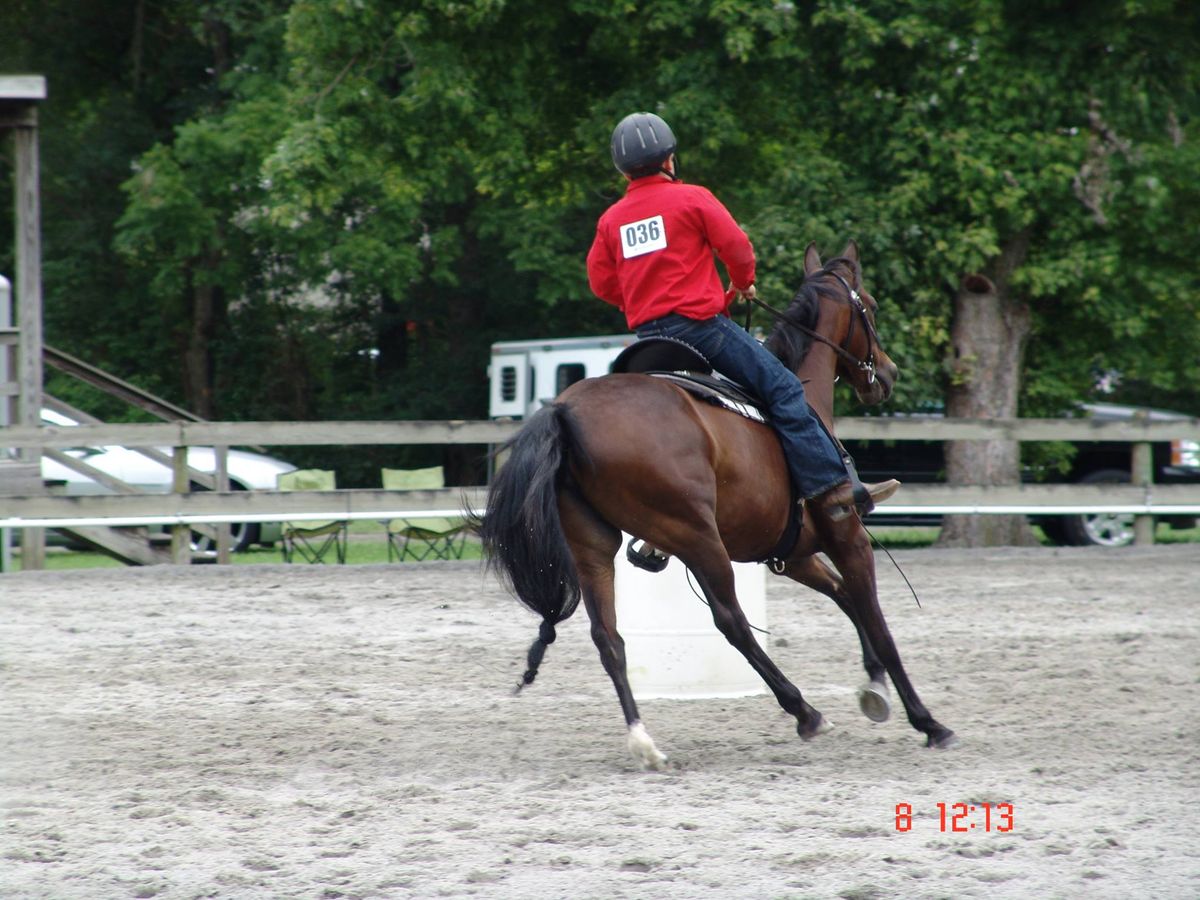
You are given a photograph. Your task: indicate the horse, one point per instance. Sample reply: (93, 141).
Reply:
(635, 453)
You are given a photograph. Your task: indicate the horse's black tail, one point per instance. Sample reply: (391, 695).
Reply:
(521, 531)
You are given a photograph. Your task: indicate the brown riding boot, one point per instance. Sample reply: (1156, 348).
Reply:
(841, 499)
(882, 490)
(865, 496)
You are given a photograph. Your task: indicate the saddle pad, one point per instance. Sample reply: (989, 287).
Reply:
(716, 390)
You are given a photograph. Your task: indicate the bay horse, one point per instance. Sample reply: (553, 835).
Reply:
(635, 453)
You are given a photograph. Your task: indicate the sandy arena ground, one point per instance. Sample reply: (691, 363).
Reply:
(319, 732)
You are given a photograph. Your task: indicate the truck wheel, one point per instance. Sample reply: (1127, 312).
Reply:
(242, 535)
(1102, 529)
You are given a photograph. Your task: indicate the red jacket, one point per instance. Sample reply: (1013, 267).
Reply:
(653, 252)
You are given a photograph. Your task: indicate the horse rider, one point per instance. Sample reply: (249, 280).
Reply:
(652, 258)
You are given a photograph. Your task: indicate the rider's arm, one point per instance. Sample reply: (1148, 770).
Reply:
(727, 238)
(602, 271)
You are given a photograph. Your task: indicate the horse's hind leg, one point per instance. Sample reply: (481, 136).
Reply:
(714, 573)
(594, 544)
(812, 572)
(846, 543)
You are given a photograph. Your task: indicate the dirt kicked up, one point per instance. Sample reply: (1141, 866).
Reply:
(312, 731)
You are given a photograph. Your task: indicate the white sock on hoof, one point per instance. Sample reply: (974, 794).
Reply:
(641, 745)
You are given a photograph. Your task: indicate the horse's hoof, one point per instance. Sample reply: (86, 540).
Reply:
(651, 759)
(822, 725)
(642, 746)
(942, 739)
(873, 701)
(654, 762)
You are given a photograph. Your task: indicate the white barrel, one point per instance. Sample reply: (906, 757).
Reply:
(672, 648)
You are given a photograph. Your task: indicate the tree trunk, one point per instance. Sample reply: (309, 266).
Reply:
(465, 310)
(198, 377)
(988, 336)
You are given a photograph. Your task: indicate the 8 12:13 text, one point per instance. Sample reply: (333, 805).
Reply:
(961, 818)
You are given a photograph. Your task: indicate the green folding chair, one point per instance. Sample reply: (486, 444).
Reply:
(423, 538)
(312, 541)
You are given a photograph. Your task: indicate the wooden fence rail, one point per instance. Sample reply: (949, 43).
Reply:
(279, 434)
(182, 509)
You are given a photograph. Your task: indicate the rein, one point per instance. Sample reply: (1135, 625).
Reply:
(865, 365)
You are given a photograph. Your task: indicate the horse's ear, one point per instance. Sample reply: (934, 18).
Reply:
(812, 259)
(851, 251)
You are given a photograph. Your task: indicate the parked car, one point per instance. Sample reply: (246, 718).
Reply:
(247, 471)
(1094, 462)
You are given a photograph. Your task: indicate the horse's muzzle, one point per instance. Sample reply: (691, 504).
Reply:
(880, 388)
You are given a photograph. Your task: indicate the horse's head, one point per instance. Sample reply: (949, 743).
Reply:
(834, 309)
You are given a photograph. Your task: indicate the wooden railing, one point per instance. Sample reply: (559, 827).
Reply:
(181, 509)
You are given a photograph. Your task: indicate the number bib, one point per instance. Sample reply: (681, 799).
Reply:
(646, 236)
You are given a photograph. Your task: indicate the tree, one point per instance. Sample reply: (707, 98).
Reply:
(188, 224)
(1001, 142)
(355, 199)
(120, 78)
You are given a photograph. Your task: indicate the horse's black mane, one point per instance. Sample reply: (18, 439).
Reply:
(791, 345)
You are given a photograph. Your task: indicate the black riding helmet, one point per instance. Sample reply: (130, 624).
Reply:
(641, 144)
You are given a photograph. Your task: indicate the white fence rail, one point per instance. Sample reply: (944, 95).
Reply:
(49, 511)
(211, 507)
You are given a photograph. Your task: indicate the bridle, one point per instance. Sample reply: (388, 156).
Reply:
(859, 312)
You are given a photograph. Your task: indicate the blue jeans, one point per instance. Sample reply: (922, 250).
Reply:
(813, 460)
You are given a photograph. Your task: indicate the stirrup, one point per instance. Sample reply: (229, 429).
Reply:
(863, 502)
(646, 557)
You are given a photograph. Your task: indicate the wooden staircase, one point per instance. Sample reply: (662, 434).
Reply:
(133, 546)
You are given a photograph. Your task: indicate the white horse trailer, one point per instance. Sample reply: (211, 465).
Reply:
(525, 375)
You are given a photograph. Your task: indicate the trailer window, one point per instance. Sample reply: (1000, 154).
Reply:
(566, 375)
(508, 383)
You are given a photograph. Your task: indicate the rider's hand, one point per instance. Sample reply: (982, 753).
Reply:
(748, 293)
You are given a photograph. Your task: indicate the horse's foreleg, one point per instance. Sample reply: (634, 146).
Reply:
(812, 572)
(847, 544)
(594, 544)
(714, 573)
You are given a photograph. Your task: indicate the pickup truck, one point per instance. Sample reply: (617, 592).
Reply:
(1094, 462)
